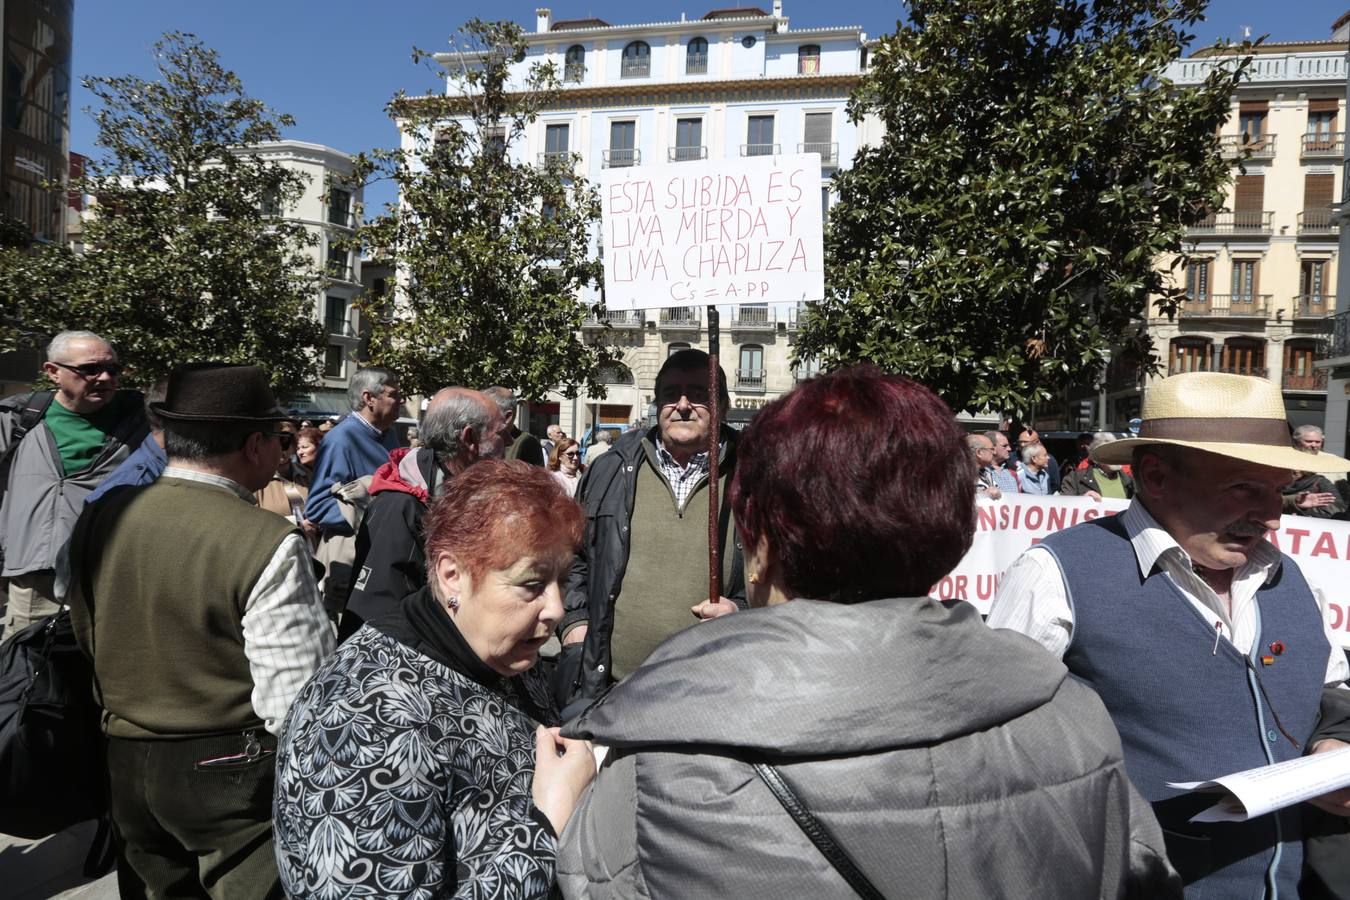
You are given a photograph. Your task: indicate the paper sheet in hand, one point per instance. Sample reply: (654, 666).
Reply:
(1256, 792)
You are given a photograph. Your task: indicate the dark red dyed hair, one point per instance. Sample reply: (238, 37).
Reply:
(861, 485)
(493, 513)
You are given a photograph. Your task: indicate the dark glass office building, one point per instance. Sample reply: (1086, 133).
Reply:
(35, 113)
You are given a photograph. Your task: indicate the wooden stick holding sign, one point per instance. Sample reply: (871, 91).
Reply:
(704, 232)
(714, 489)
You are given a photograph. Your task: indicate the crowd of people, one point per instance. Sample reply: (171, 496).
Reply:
(332, 666)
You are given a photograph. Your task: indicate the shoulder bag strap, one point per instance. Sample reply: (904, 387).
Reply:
(817, 833)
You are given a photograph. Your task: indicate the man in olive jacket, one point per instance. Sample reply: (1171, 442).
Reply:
(641, 572)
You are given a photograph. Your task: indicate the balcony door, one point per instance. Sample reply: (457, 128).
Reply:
(1188, 355)
(688, 139)
(1321, 133)
(1299, 372)
(759, 136)
(622, 143)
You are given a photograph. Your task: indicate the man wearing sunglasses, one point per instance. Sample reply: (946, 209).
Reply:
(80, 432)
(642, 567)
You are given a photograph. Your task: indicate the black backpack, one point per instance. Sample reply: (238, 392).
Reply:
(34, 408)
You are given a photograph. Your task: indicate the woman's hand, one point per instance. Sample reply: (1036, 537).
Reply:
(562, 769)
(709, 610)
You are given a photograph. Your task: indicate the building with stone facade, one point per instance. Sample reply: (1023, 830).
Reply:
(1261, 287)
(736, 82)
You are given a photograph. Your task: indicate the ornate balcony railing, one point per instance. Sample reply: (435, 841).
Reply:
(550, 158)
(1250, 222)
(1313, 306)
(752, 318)
(1227, 305)
(750, 379)
(574, 72)
(1315, 380)
(679, 317)
(636, 68)
(1234, 146)
(1323, 146)
(681, 154)
(696, 64)
(621, 319)
(1316, 221)
(620, 158)
(1340, 334)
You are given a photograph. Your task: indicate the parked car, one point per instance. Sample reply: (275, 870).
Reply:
(588, 439)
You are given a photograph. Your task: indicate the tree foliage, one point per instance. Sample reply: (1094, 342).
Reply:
(182, 264)
(492, 251)
(1035, 165)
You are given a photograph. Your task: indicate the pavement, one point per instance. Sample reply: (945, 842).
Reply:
(52, 867)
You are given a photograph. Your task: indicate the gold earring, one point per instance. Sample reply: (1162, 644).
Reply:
(754, 578)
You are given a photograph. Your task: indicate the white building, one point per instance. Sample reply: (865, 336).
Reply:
(329, 208)
(736, 82)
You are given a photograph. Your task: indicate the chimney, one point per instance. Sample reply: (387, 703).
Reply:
(543, 19)
(778, 9)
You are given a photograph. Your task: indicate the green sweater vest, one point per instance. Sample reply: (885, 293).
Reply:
(667, 569)
(164, 573)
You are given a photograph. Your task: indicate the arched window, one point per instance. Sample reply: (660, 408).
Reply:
(616, 373)
(574, 63)
(696, 57)
(637, 60)
(808, 59)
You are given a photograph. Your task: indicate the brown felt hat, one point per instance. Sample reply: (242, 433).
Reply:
(219, 392)
(1237, 416)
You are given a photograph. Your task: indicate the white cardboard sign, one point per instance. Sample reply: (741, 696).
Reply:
(713, 232)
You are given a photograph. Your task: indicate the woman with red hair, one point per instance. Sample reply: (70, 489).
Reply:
(848, 735)
(419, 761)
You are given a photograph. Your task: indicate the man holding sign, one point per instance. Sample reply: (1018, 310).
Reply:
(1206, 644)
(642, 565)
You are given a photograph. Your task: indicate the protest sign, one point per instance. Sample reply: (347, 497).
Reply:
(706, 232)
(1004, 528)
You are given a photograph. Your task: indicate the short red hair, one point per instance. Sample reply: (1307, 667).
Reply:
(493, 513)
(861, 485)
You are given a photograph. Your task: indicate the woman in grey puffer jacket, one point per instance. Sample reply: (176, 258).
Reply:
(944, 759)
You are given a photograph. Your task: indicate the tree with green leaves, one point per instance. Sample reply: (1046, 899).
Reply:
(182, 264)
(1035, 168)
(493, 252)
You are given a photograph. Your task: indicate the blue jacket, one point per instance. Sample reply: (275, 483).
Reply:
(348, 452)
(144, 466)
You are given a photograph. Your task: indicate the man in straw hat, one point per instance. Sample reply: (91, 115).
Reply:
(1206, 644)
(202, 617)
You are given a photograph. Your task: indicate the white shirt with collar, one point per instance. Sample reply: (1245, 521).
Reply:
(1032, 599)
(287, 633)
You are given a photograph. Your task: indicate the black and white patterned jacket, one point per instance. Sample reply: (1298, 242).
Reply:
(398, 776)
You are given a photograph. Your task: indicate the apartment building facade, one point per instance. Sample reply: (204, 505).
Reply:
(330, 209)
(1261, 286)
(737, 82)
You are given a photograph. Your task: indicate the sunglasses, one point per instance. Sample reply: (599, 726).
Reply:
(572, 454)
(285, 438)
(93, 370)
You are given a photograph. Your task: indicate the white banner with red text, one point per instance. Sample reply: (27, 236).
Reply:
(1004, 528)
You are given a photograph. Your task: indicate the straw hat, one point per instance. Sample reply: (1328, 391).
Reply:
(1230, 415)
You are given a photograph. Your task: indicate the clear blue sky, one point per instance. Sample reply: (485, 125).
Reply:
(334, 64)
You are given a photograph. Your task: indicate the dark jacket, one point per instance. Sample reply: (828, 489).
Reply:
(1080, 481)
(606, 494)
(525, 447)
(947, 759)
(390, 562)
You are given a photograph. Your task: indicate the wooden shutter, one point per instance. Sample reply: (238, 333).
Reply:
(1323, 106)
(1251, 193)
(1317, 191)
(1253, 106)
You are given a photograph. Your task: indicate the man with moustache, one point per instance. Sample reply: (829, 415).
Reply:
(1206, 644)
(642, 566)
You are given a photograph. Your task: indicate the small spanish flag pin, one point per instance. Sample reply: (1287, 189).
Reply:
(1267, 660)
